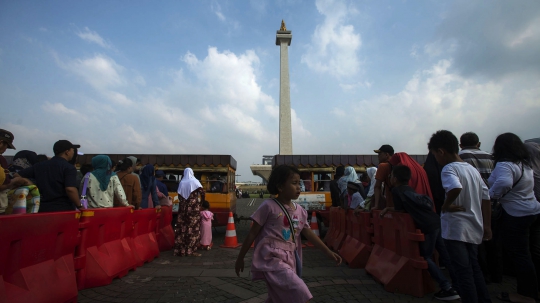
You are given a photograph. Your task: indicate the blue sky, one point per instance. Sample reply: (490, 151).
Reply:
(202, 77)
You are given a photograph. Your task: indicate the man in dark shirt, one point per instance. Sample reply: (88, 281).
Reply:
(334, 188)
(56, 179)
(429, 223)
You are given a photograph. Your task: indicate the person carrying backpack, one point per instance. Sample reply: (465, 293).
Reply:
(420, 207)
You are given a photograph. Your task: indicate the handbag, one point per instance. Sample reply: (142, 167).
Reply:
(496, 207)
(296, 255)
(84, 201)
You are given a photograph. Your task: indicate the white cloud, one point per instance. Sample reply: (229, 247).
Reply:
(353, 86)
(529, 34)
(228, 93)
(59, 108)
(334, 44)
(103, 74)
(93, 37)
(99, 71)
(437, 98)
(216, 9)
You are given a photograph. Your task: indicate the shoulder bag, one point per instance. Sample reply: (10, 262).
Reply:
(84, 201)
(296, 255)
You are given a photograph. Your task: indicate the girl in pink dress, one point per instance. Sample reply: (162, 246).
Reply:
(206, 226)
(274, 259)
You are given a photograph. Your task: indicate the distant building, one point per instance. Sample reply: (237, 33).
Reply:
(267, 160)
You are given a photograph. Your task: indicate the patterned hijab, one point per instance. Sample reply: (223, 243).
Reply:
(188, 183)
(102, 170)
(23, 159)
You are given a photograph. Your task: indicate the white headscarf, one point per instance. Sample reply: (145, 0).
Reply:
(371, 171)
(348, 176)
(188, 184)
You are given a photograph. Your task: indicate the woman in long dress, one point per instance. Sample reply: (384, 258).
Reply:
(188, 233)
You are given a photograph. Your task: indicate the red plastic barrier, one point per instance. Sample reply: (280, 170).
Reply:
(164, 230)
(104, 252)
(395, 260)
(333, 229)
(340, 234)
(357, 246)
(36, 257)
(144, 242)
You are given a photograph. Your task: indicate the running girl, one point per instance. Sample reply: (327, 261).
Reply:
(274, 258)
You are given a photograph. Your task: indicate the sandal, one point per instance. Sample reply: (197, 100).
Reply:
(194, 255)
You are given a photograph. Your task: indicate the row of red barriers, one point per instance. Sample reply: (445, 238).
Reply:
(49, 257)
(387, 247)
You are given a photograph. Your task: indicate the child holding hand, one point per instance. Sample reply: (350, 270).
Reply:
(206, 226)
(277, 225)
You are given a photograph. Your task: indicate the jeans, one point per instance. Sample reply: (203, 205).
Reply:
(426, 250)
(515, 236)
(471, 284)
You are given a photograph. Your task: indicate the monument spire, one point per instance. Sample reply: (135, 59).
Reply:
(283, 39)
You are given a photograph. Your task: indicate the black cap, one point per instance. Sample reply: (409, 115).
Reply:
(7, 137)
(160, 173)
(386, 149)
(63, 145)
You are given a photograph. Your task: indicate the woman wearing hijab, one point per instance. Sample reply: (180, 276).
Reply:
(371, 171)
(348, 176)
(148, 185)
(103, 185)
(22, 160)
(188, 233)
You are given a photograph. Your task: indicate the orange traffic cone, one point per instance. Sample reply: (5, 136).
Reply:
(230, 235)
(314, 227)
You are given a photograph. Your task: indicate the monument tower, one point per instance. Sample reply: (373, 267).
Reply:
(283, 39)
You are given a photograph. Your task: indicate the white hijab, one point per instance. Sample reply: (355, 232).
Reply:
(348, 176)
(371, 171)
(188, 183)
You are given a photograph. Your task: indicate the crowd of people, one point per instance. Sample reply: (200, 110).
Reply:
(472, 206)
(34, 183)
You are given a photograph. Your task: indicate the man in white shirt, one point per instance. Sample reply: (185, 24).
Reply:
(465, 217)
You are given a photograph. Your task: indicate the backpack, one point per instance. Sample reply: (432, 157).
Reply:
(418, 200)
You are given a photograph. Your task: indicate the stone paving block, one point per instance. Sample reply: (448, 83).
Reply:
(237, 291)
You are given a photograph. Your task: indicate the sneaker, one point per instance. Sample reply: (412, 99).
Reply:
(447, 295)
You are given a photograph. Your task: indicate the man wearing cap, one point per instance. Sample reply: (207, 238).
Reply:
(382, 176)
(6, 141)
(56, 179)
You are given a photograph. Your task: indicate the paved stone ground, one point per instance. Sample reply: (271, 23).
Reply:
(211, 278)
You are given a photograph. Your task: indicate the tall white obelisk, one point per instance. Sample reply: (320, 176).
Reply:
(283, 39)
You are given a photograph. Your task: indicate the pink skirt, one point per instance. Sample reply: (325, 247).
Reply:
(284, 286)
